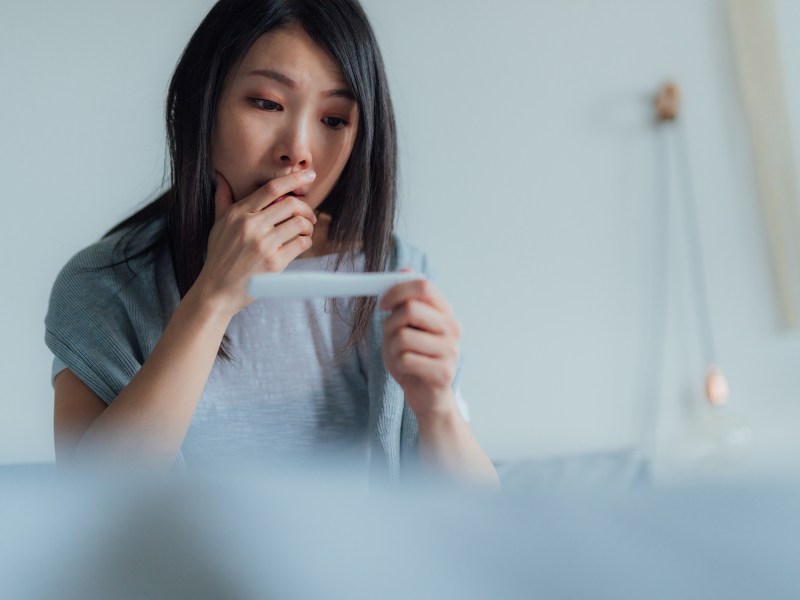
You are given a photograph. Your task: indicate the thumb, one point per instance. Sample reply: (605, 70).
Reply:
(223, 198)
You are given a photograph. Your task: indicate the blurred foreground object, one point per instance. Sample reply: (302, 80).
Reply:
(275, 537)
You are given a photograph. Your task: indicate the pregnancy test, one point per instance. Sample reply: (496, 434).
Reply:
(325, 285)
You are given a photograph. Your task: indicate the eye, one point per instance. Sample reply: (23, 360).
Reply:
(334, 122)
(267, 105)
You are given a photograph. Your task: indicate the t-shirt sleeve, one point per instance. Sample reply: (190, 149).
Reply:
(58, 366)
(88, 326)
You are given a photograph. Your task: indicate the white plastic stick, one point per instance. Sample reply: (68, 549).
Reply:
(325, 285)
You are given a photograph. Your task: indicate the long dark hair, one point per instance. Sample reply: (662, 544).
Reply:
(365, 194)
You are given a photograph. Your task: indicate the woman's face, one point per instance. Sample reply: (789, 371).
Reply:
(286, 108)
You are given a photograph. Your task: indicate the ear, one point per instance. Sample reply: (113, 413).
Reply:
(223, 198)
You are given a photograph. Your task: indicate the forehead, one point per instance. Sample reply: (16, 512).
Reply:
(292, 50)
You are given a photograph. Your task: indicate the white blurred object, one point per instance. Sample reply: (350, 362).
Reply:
(718, 441)
(325, 285)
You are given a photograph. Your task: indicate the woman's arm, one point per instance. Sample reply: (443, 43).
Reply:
(146, 424)
(420, 349)
(446, 443)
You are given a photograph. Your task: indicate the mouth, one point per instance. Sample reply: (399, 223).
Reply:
(298, 193)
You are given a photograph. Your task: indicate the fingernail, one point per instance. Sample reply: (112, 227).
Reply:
(309, 175)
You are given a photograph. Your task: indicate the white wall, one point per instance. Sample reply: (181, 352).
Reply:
(84, 83)
(527, 152)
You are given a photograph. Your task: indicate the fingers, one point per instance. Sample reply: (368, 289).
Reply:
(286, 209)
(435, 371)
(277, 188)
(421, 323)
(276, 225)
(421, 342)
(421, 315)
(282, 207)
(288, 230)
(266, 233)
(281, 248)
(281, 225)
(419, 289)
(294, 248)
(223, 196)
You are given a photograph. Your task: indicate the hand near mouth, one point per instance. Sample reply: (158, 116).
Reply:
(292, 194)
(319, 237)
(263, 232)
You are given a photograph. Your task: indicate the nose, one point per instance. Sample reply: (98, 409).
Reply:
(294, 145)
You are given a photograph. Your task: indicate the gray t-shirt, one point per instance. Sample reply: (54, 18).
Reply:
(286, 396)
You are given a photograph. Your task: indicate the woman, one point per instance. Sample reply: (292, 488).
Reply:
(283, 153)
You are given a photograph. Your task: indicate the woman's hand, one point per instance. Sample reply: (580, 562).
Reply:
(421, 345)
(261, 233)
(420, 349)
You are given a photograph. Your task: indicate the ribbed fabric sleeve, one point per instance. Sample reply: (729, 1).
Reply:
(104, 321)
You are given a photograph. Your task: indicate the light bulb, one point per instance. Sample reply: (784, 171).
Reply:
(717, 441)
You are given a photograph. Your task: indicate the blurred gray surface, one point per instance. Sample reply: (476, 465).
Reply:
(617, 469)
(279, 536)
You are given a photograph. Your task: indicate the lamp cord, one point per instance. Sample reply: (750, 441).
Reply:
(653, 373)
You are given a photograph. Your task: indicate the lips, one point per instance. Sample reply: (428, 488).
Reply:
(292, 194)
(298, 193)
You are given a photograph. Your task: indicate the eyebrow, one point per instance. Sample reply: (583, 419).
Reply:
(292, 84)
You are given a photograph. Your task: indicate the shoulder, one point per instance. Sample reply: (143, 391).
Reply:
(115, 253)
(102, 318)
(98, 272)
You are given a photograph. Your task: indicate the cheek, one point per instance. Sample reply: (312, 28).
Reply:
(237, 151)
(223, 140)
(237, 140)
(335, 157)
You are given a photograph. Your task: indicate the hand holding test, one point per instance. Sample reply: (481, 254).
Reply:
(325, 285)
